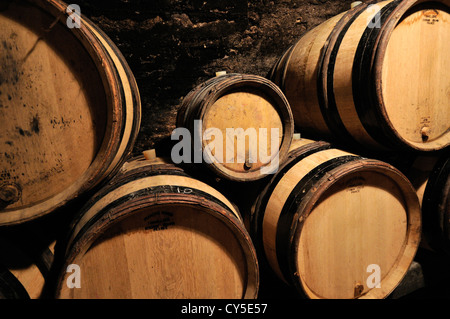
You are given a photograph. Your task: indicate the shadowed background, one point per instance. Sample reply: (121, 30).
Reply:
(174, 45)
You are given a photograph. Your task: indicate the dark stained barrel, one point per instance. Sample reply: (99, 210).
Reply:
(70, 108)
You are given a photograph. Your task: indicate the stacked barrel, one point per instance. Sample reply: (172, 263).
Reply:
(328, 215)
(70, 114)
(372, 81)
(373, 76)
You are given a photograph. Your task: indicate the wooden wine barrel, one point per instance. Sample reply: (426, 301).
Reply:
(10, 287)
(154, 232)
(374, 76)
(430, 177)
(244, 109)
(70, 108)
(29, 258)
(329, 220)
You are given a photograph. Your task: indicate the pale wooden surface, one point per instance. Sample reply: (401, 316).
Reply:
(247, 110)
(198, 257)
(174, 244)
(365, 213)
(416, 84)
(342, 76)
(301, 77)
(281, 193)
(408, 84)
(350, 229)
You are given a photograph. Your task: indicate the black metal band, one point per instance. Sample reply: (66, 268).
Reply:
(288, 220)
(364, 96)
(329, 110)
(257, 222)
(156, 191)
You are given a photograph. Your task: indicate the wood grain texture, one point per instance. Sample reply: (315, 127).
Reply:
(244, 109)
(156, 233)
(53, 100)
(372, 77)
(414, 86)
(329, 215)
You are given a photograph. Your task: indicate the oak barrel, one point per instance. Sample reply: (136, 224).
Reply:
(10, 286)
(29, 257)
(329, 220)
(430, 177)
(373, 76)
(154, 232)
(69, 108)
(254, 123)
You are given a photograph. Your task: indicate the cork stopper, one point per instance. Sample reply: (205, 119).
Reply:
(220, 73)
(355, 4)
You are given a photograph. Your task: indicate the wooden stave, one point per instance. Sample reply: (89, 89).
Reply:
(192, 99)
(400, 268)
(379, 133)
(196, 104)
(288, 272)
(29, 258)
(76, 240)
(10, 286)
(108, 159)
(326, 82)
(277, 72)
(257, 215)
(127, 78)
(377, 60)
(368, 65)
(305, 117)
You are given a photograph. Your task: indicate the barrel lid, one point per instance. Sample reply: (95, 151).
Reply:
(411, 64)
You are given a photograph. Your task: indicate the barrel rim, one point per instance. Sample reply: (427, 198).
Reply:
(125, 210)
(325, 78)
(259, 209)
(412, 238)
(382, 43)
(281, 105)
(114, 123)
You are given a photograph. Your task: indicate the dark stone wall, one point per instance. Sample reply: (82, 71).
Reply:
(174, 45)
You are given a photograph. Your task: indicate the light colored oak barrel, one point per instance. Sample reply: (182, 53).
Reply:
(430, 177)
(69, 108)
(244, 109)
(328, 216)
(154, 232)
(374, 76)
